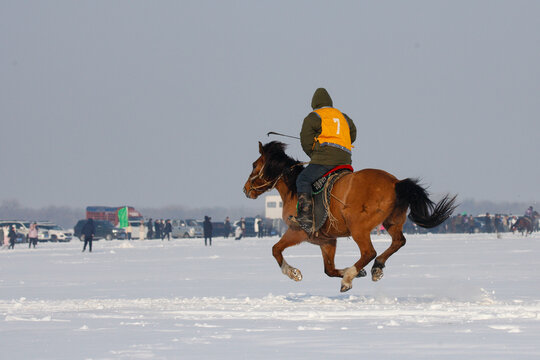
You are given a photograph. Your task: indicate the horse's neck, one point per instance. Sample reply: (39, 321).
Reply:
(285, 192)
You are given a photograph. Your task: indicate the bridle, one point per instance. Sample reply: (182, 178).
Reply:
(272, 183)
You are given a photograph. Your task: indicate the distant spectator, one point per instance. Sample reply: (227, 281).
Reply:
(129, 229)
(157, 230)
(207, 227)
(505, 222)
(5, 237)
(258, 227)
(256, 224)
(498, 223)
(262, 228)
(238, 232)
(240, 229)
(33, 235)
(227, 227)
(142, 230)
(471, 224)
(167, 230)
(150, 226)
(12, 237)
(512, 221)
(489, 225)
(88, 231)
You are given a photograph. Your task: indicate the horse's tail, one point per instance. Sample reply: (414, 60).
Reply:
(424, 212)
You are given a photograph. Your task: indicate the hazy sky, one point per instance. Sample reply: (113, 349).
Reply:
(154, 103)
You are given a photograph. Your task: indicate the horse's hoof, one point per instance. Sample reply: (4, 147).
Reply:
(295, 274)
(376, 274)
(361, 273)
(345, 288)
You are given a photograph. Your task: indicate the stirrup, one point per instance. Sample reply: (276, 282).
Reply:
(293, 220)
(295, 224)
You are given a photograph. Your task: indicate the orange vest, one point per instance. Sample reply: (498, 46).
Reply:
(335, 129)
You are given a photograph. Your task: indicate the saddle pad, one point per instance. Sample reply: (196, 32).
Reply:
(323, 197)
(318, 185)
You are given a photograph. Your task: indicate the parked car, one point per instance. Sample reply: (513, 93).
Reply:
(104, 230)
(188, 228)
(48, 231)
(22, 228)
(218, 229)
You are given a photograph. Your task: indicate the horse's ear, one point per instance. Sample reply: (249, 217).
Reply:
(260, 148)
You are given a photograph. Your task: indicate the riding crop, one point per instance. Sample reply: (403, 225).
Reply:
(275, 133)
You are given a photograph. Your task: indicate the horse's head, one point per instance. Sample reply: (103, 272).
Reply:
(256, 184)
(271, 166)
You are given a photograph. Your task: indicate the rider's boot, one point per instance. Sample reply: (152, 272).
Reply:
(304, 219)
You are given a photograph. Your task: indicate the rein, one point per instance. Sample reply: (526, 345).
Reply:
(268, 182)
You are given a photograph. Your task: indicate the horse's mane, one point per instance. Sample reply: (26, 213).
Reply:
(278, 163)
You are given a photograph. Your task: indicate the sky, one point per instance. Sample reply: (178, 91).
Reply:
(163, 103)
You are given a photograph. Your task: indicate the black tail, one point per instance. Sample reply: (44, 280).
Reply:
(424, 212)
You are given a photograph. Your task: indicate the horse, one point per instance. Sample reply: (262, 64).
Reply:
(524, 225)
(361, 200)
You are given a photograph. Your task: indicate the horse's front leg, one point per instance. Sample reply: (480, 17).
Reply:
(290, 238)
(367, 253)
(328, 250)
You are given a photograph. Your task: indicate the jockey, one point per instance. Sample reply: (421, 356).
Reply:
(327, 135)
(529, 212)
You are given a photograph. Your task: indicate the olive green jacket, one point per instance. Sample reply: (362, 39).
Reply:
(311, 128)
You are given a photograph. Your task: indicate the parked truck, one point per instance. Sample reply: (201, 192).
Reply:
(111, 213)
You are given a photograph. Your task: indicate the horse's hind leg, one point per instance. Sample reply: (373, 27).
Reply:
(290, 238)
(398, 240)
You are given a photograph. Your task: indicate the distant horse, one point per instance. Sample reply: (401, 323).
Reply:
(524, 225)
(360, 201)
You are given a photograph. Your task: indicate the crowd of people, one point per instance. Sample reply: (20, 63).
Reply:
(463, 223)
(157, 229)
(240, 231)
(488, 223)
(259, 227)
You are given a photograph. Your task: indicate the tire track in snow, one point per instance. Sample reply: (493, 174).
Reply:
(294, 307)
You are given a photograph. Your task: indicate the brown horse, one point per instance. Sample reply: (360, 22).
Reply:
(360, 201)
(524, 225)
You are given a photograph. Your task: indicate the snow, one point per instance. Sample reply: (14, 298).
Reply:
(442, 297)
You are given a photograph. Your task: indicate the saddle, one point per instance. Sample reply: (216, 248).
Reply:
(321, 190)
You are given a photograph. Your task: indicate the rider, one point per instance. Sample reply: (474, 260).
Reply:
(529, 212)
(327, 135)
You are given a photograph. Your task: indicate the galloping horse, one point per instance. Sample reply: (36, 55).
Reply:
(524, 225)
(360, 201)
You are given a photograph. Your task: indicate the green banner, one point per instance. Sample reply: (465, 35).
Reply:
(123, 217)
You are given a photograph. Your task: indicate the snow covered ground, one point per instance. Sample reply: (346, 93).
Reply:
(442, 297)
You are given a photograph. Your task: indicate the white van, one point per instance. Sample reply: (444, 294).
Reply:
(188, 228)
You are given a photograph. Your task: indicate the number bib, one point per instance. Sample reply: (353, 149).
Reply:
(334, 129)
